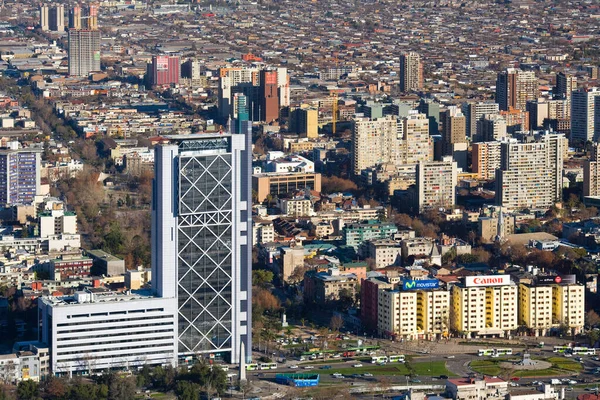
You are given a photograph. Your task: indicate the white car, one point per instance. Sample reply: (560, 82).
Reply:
(368, 374)
(293, 367)
(357, 365)
(309, 367)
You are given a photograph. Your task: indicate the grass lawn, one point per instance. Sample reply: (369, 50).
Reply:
(486, 367)
(388, 369)
(434, 368)
(540, 372)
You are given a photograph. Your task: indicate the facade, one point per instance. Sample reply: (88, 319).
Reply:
(106, 263)
(486, 159)
(52, 18)
(277, 184)
(454, 129)
(565, 85)
(417, 145)
(369, 300)
(397, 314)
(291, 258)
(535, 308)
(583, 114)
(164, 70)
(591, 173)
(476, 389)
(375, 142)
(411, 72)
(202, 240)
(91, 332)
(490, 127)
(19, 175)
(75, 17)
(530, 173)
(436, 184)
(67, 267)
(355, 234)
(321, 287)
(296, 207)
(57, 221)
(473, 113)
(305, 122)
(568, 306)
(84, 51)
(433, 313)
(485, 306)
(384, 252)
(514, 88)
(269, 96)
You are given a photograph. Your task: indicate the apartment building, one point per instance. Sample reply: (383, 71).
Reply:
(375, 141)
(369, 299)
(355, 234)
(474, 112)
(411, 72)
(296, 207)
(490, 127)
(417, 145)
(583, 114)
(436, 184)
(515, 87)
(591, 173)
(535, 308)
(485, 306)
(397, 314)
(530, 173)
(322, 287)
(433, 313)
(486, 159)
(568, 306)
(385, 252)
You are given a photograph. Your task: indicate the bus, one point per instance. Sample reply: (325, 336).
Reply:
(268, 366)
(485, 352)
(251, 367)
(502, 352)
(398, 358)
(584, 351)
(379, 359)
(561, 349)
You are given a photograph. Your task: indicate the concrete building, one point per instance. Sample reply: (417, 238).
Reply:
(491, 127)
(397, 314)
(568, 306)
(163, 70)
(369, 300)
(433, 313)
(292, 257)
(515, 87)
(565, 85)
(298, 207)
(486, 159)
(454, 129)
(485, 306)
(321, 287)
(305, 121)
(436, 184)
(20, 178)
(356, 233)
(52, 18)
(474, 112)
(202, 240)
(477, 389)
(420, 246)
(136, 279)
(417, 144)
(491, 228)
(106, 263)
(55, 220)
(535, 308)
(268, 96)
(84, 51)
(278, 184)
(384, 252)
(411, 72)
(591, 173)
(375, 142)
(530, 173)
(91, 332)
(583, 115)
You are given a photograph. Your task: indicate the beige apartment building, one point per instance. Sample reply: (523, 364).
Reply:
(591, 173)
(486, 159)
(375, 141)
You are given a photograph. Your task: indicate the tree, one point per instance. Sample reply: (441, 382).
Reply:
(121, 388)
(261, 277)
(187, 390)
(334, 184)
(55, 388)
(592, 318)
(336, 323)
(592, 337)
(28, 390)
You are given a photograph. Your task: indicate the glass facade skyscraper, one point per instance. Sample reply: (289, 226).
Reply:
(201, 241)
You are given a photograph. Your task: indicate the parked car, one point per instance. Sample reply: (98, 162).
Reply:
(309, 367)
(443, 376)
(326, 367)
(368, 375)
(357, 365)
(293, 366)
(415, 380)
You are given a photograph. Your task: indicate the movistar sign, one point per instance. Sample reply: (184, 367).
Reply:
(421, 284)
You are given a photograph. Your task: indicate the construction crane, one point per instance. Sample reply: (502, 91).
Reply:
(334, 111)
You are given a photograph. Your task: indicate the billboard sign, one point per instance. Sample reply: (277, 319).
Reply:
(555, 279)
(162, 63)
(420, 284)
(487, 280)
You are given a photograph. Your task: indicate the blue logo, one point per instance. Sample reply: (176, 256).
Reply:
(421, 284)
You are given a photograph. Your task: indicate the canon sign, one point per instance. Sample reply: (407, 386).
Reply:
(487, 280)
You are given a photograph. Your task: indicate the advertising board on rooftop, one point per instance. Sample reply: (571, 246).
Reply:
(487, 280)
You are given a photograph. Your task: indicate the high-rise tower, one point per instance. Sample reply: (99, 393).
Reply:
(411, 72)
(201, 241)
(515, 87)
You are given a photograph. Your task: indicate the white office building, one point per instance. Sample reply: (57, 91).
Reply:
(94, 331)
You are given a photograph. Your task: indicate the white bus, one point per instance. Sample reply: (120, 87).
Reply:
(251, 367)
(561, 349)
(485, 352)
(584, 351)
(379, 359)
(398, 358)
(268, 366)
(502, 352)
